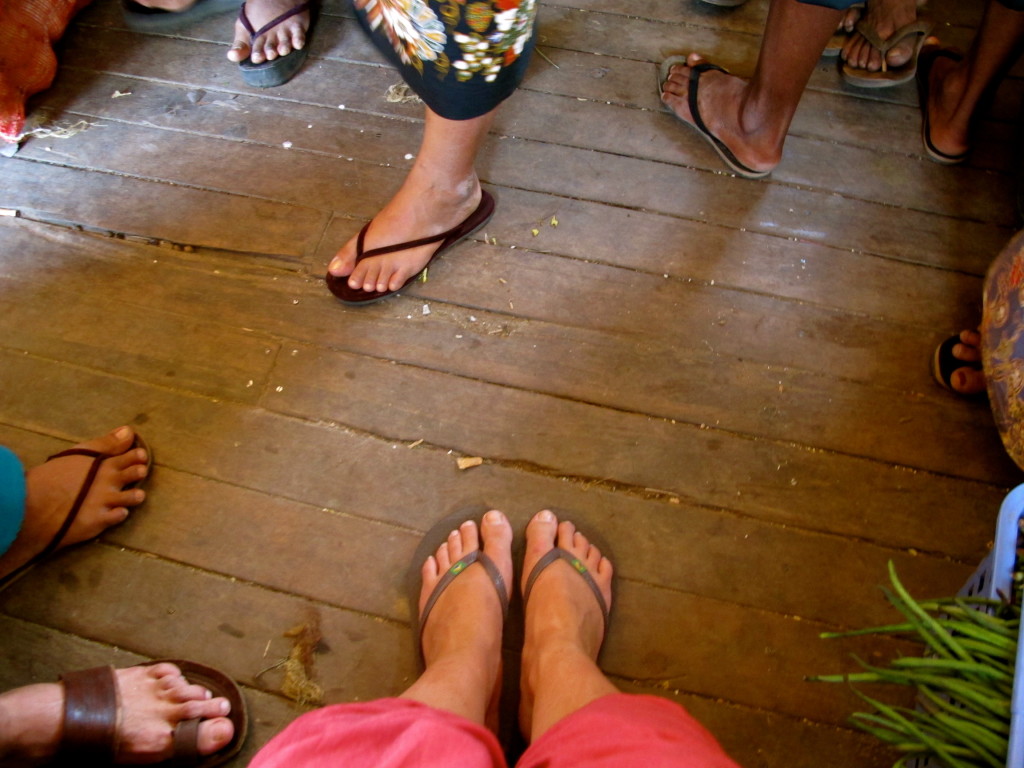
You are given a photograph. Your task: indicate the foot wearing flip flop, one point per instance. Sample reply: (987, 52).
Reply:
(565, 622)
(967, 379)
(461, 619)
(53, 487)
(712, 101)
(278, 41)
(425, 205)
(152, 700)
(945, 116)
(883, 19)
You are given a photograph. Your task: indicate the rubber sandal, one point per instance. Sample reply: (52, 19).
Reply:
(141, 18)
(91, 714)
(698, 123)
(356, 297)
(924, 71)
(274, 72)
(97, 459)
(945, 363)
(888, 76)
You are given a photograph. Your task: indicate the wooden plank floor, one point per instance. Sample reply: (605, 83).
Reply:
(728, 378)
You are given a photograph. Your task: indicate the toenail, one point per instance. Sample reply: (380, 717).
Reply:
(494, 516)
(122, 433)
(546, 516)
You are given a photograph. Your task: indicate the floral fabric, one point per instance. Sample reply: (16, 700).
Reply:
(462, 57)
(1002, 336)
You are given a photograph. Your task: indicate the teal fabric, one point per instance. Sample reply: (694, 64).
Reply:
(12, 498)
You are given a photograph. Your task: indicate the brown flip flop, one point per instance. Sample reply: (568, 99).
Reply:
(97, 459)
(91, 713)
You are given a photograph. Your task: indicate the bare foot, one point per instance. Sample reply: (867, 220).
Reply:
(153, 700)
(280, 40)
(885, 17)
(421, 208)
(719, 99)
(968, 380)
(461, 640)
(564, 626)
(53, 487)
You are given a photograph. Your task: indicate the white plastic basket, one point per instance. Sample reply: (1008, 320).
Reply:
(992, 580)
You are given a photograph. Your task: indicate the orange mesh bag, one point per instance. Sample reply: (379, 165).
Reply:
(28, 29)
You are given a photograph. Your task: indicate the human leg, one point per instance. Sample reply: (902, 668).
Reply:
(441, 719)
(52, 490)
(463, 61)
(565, 626)
(152, 700)
(751, 118)
(952, 87)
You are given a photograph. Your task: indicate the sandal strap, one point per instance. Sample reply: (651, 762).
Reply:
(97, 459)
(186, 743)
(254, 33)
(90, 716)
(456, 568)
(556, 554)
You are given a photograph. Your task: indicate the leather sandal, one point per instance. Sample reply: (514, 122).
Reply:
(92, 711)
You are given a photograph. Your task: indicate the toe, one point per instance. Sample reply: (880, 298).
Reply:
(214, 735)
(114, 443)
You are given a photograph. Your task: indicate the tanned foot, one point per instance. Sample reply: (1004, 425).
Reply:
(52, 488)
(968, 380)
(947, 129)
(461, 640)
(173, 6)
(424, 206)
(885, 16)
(564, 622)
(282, 39)
(719, 97)
(152, 699)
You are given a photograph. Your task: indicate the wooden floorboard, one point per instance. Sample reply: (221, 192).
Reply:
(728, 379)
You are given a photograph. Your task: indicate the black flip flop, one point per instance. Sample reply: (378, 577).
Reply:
(355, 297)
(945, 363)
(274, 72)
(925, 60)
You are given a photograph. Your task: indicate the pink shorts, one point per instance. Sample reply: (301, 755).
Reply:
(615, 731)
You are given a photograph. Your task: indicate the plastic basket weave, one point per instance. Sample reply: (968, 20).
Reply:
(992, 580)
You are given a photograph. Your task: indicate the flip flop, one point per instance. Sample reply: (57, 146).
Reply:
(698, 123)
(274, 72)
(91, 716)
(355, 297)
(888, 76)
(944, 363)
(428, 545)
(141, 18)
(924, 71)
(90, 476)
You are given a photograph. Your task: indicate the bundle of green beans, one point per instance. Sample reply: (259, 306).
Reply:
(964, 684)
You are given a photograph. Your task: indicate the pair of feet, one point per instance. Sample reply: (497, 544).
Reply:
(885, 17)
(565, 624)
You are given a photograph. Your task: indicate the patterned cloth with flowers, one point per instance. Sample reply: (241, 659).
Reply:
(462, 57)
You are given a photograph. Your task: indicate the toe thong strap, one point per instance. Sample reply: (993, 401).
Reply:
(561, 554)
(90, 716)
(476, 556)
